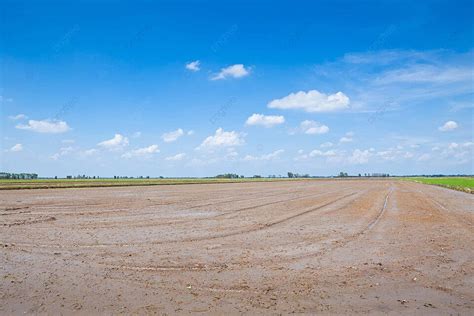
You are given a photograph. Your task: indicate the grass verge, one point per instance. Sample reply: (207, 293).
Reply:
(465, 184)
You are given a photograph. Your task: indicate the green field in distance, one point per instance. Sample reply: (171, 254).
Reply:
(457, 183)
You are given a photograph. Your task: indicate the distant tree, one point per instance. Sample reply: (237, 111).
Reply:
(290, 174)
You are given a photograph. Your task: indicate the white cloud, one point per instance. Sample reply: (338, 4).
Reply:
(453, 146)
(359, 157)
(62, 152)
(89, 152)
(190, 132)
(176, 157)
(68, 141)
(193, 66)
(448, 126)
(231, 153)
(394, 154)
(347, 138)
(142, 152)
(424, 157)
(312, 128)
(18, 117)
(172, 136)
(234, 71)
(383, 81)
(319, 153)
(265, 120)
(222, 139)
(116, 143)
(326, 145)
(425, 74)
(137, 134)
(16, 148)
(457, 152)
(269, 156)
(45, 126)
(312, 101)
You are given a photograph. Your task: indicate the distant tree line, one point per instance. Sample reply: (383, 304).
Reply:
(378, 175)
(7, 175)
(297, 175)
(139, 177)
(228, 176)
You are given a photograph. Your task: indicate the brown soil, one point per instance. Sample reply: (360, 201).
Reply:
(312, 247)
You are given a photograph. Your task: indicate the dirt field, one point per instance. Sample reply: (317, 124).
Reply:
(326, 247)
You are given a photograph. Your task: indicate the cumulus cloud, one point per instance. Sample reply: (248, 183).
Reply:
(312, 101)
(142, 152)
(319, 153)
(269, 156)
(313, 128)
(326, 145)
(359, 157)
(234, 71)
(89, 152)
(330, 155)
(265, 120)
(18, 117)
(172, 136)
(347, 138)
(16, 148)
(394, 154)
(62, 152)
(222, 139)
(448, 126)
(116, 143)
(45, 126)
(458, 152)
(176, 157)
(193, 66)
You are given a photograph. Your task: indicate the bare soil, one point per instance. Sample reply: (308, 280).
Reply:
(311, 247)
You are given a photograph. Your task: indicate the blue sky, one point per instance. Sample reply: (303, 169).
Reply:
(198, 88)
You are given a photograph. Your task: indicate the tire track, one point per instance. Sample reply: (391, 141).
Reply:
(99, 212)
(30, 222)
(339, 242)
(256, 228)
(149, 223)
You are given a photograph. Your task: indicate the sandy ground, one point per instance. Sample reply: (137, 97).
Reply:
(325, 247)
